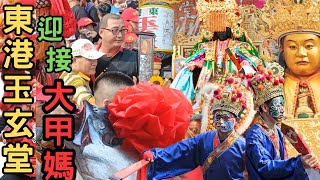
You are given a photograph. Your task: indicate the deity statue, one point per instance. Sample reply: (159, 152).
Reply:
(224, 48)
(296, 27)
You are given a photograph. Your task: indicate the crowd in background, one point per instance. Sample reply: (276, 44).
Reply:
(88, 14)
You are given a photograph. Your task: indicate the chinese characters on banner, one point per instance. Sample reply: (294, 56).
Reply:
(19, 52)
(57, 163)
(158, 19)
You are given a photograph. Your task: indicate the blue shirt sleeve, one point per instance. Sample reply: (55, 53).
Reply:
(177, 159)
(262, 160)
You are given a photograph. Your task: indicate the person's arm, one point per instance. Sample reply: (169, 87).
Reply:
(263, 161)
(82, 92)
(176, 159)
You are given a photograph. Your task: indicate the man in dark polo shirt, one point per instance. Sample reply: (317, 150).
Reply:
(112, 32)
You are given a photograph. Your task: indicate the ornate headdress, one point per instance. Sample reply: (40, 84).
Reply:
(216, 15)
(267, 84)
(236, 98)
(294, 16)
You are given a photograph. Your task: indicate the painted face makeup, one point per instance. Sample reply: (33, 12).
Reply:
(224, 121)
(276, 109)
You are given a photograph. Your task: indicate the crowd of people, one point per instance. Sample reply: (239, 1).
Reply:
(89, 14)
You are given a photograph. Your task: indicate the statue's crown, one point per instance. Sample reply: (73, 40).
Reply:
(294, 16)
(216, 15)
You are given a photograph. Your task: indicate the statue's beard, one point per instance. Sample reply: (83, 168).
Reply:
(222, 36)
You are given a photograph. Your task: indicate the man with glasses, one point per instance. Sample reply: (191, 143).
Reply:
(112, 32)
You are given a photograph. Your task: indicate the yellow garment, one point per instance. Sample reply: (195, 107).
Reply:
(291, 90)
(81, 82)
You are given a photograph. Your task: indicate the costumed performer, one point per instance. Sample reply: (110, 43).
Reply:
(220, 152)
(266, 156)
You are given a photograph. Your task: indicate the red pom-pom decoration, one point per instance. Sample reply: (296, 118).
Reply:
(230, 80)
(234, 98)
(260, 86)
(268, 77)
(239, 94)
(276, 82)
(234, 91)
(146, 114)
(281, 80)
(250, 75)
(243, 100)
(261, 69)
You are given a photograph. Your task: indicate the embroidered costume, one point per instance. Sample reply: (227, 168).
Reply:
(266, 156)
(210, 55)
(216, 157)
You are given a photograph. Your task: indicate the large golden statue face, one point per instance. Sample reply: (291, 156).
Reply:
(302, 54)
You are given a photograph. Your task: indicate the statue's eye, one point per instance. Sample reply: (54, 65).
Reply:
(292, 47)
(309, 46)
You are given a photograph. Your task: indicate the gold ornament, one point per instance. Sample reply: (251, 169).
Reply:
(207, 34)
(293, 16)
(216, 15)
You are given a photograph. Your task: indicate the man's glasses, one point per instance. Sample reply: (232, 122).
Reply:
(116, 31)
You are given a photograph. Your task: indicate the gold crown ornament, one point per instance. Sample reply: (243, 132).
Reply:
(293, 16)
(216, 15)
(266, 84)
(236, 98)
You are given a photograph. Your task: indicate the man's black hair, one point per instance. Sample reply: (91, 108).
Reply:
(113, 77)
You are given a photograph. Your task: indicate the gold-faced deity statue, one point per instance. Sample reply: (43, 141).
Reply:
(297, 29)
(301, 54)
